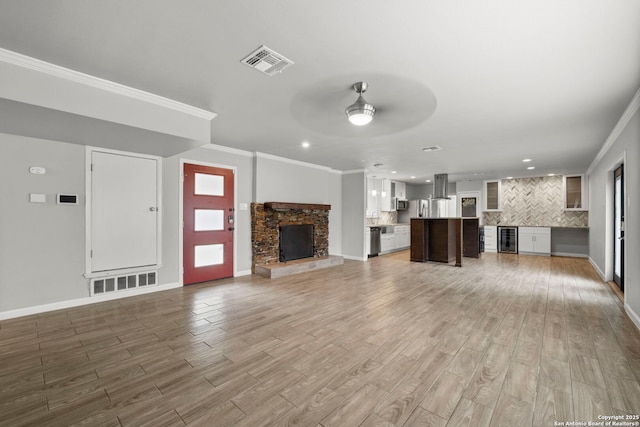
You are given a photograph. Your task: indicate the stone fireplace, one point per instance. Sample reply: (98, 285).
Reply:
(266, 219)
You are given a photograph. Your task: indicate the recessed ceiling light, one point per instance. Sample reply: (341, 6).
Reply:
(428, 180)
(551, 174)
(509, 177)
(531, 167)
(526, 160)
(413, 177)
(394, 171)
(305, 144)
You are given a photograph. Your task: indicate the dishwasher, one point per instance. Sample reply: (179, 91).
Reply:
(374, 241)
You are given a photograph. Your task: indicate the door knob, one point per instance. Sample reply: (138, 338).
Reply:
(152, 209)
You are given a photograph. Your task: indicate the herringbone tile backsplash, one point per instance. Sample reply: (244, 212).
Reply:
(535, 202)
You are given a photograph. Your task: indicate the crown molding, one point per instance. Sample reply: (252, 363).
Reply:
(228, 150)
(629, 112)
(291, 161)
(30, 63)
(354, 171)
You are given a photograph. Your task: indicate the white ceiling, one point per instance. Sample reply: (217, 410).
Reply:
(490, 81)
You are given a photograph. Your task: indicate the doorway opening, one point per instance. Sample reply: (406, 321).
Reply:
(618, 226)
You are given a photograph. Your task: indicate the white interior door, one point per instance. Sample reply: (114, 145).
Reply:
(124, 211)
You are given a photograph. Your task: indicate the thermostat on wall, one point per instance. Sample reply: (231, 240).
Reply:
(67, 199)
(38, 170)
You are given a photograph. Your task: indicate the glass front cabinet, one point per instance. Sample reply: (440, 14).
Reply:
(575, 194)
(492, 196)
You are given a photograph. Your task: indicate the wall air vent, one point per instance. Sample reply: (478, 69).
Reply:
(434, 148)
(267, 61)
(110, 284)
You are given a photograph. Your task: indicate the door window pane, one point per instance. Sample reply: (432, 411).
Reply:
(209, 255)
(209, 185)
(209, 220)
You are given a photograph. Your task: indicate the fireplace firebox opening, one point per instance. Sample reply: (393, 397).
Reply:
(296, 242)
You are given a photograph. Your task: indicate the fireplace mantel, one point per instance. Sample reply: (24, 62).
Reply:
(301, 206)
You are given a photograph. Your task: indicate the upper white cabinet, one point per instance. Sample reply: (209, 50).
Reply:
(575, 194)
(492, 195)
(386, 199)
(400, 190)
(374, 190)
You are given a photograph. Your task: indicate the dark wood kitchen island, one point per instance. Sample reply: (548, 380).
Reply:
(444, 239)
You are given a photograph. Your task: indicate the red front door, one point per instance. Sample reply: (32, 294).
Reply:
(208, 223)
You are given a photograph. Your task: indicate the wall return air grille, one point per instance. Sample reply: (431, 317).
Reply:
(106, 285)
(267, 61)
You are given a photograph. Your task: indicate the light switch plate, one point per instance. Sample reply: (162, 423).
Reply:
(244, 206)
(37, 198)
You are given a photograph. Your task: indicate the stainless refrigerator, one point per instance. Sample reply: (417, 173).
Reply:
(425, 208)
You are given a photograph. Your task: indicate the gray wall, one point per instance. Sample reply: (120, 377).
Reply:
(335, 214)
(463, 186)
(42, 245)
(42, 250)
(600, 200)
(283, 180)
(353, 215)
(286, 181)
(425, 191)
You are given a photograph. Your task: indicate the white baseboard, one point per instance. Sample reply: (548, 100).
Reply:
(61, 305)
(354, 258)
(632, 315)
(569, 254)
(595, 267)
(243, 273)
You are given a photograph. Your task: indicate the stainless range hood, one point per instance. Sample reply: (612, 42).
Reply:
(441, 186)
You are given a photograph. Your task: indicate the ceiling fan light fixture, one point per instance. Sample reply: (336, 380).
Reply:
(360, 113)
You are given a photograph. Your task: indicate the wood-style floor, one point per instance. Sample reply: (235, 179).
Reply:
(506, 340)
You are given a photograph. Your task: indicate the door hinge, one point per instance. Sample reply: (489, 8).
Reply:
(91, 253)
(91, 167)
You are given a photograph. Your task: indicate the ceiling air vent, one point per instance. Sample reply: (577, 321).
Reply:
(434, 148)
(267, 61)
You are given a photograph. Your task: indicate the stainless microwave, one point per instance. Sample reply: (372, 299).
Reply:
(402, 205)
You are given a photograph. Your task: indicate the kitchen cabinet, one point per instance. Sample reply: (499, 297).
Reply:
(400, 190)
(387, 242)
(436, 239)
(575, 194)
(397, 237)
(534, 240)
(374, 190)
(471, 237)
(490, 238)
(367, 240)
(492, 196)
(386, 199)
(403, 236)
